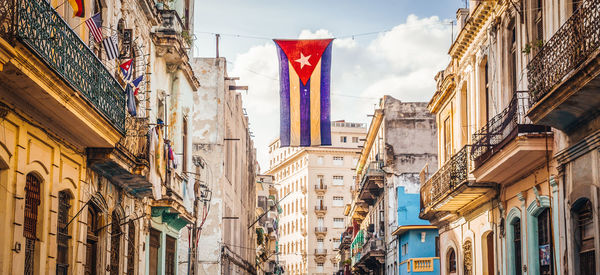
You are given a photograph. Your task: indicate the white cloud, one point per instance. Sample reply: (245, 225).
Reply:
(401, 62)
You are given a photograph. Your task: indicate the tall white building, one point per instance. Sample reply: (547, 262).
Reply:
(314, 185)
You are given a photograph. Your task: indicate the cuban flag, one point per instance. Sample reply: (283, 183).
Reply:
(127, 70)
(136, 83)
(305, 76)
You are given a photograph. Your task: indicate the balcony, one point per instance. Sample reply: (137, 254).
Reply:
(372, 255)
(372, 180)
(320, 255)
(57, 75)
(126, 164)
(422, 265)
(509, 143)
(564, 75)
(320, 210)
(449, 188)
(321, 231)
(320, 188)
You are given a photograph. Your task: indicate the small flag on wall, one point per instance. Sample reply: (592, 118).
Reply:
(94, 24)
(111, 47)
(127, 70)
(304, 75)
(136, 83)
(78, 8)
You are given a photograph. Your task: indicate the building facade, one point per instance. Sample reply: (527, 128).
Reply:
(222, 139)
(314, 185)
(504, 196)
(417, 240)
(401, 140)
(267, 217)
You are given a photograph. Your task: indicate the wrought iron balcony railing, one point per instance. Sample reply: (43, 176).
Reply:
(503, 127)
(37, 25)
(135, 140)
(447, 178)
(568, 48)
(372, 245)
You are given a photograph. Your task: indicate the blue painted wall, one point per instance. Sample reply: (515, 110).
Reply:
(409, 207)
(417, 245)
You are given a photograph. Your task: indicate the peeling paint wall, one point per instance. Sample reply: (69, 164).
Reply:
(221, 137)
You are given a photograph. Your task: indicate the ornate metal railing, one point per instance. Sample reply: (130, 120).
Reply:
(447, 178)
(37, 25)
(372, 245)
(501, 126)
(571, 45)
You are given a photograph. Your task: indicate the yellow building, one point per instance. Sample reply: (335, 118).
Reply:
(494, 197)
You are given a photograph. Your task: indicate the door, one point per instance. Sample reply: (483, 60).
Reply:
(154, 248)
(170, 256)
(490, 253)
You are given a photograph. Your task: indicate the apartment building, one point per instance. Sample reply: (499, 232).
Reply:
(401, 140)
(516, 188)
(314, 185)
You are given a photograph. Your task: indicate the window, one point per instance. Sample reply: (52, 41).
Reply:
(338, 201)
(32, 201)
(338, 222)
(154, 248)
(170, 256)
(343, 139)
(447, 139)
(320, 181)
(545, 242)
(339, 161)
(354, 139)
(338, 180)
(512, 46)
(404, 249)
(451, 261)
(63, 237)
(131, 248)
(584, 237)
(115, 243)
(184, 134)
(336, 243)
(539, 21)
(320, 267)
(354, 161)
(92, 240)
(516, 227)
(320, 160)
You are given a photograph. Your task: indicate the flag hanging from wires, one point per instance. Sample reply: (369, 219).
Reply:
(131, 105)
(136, 83)
(127, 70)
(94, 24)
(304, 75)
(111, 46)
(78, 8)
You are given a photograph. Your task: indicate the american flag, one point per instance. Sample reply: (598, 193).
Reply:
(94, 23)
(111, 46)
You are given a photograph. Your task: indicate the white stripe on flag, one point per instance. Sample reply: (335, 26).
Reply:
(96, 33)
(110, 45)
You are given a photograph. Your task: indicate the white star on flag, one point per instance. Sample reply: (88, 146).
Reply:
(303, 60)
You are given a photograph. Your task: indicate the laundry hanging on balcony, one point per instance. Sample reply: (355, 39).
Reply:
(304, 74)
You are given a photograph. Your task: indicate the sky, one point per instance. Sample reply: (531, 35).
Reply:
(382, 47)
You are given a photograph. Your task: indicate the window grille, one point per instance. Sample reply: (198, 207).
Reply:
(62, 255)
(32, 201)
(115, 243)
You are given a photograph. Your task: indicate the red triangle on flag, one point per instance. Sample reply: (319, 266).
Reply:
(304, 54)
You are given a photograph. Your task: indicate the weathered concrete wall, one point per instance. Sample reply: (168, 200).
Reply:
(221, 138)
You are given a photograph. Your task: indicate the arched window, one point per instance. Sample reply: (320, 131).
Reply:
(32, 202)
(115, 243)
(585, 250)
(92, 240)
(545, 242)
(516, 228)
(451, 261)
(63, 236)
